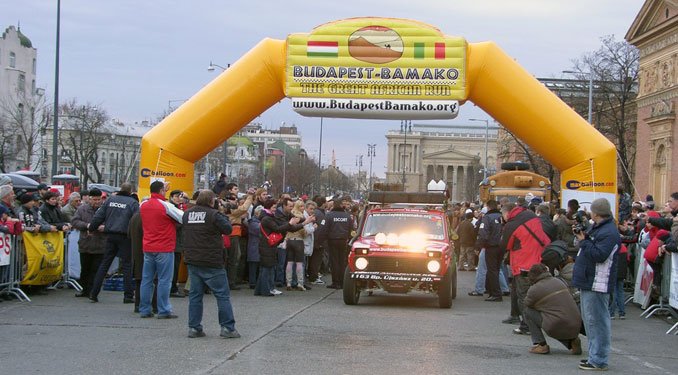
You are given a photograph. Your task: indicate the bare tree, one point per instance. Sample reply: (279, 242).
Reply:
(510, 148)
(22, 116)
(82, 133)
(615, 74)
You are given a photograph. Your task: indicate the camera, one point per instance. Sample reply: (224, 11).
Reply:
(581, 222)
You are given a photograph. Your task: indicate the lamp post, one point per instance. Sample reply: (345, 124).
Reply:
(320, 155)
(590, 74)
(359, 163)
(210, 68)
(405, 126)
(212, 65)
(55, 130)
(370, 154)
(487, 133)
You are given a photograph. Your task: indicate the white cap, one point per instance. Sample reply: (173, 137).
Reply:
(468, 211)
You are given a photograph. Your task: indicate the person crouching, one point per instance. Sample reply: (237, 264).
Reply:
(204, 252)
(550, 306)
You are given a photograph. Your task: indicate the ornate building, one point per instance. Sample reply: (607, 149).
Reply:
(454, 154)
(655, 33)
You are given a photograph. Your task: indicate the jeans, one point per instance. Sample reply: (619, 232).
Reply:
(596, 317)
(481, 273)
(217, 280)
(618, 298)
(161, 264)
(280, 267)
(264, 281)
(117, 245)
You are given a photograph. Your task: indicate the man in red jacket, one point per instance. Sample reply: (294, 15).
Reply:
(524, 239)
(159, 219)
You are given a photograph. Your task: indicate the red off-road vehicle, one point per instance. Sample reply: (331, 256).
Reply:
(403, 244)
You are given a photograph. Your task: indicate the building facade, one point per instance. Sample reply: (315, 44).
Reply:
(441, 153)
(655, 33)
(21, 102)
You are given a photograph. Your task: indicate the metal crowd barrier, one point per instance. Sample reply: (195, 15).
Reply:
(12, 274)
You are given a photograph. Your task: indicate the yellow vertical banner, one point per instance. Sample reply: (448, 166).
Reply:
(44, 258)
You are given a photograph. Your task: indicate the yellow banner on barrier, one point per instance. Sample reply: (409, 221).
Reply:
(44, 258)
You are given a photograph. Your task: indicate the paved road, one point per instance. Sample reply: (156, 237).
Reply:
(303, 333)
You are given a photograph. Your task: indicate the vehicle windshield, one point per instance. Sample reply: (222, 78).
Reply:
(401, 222)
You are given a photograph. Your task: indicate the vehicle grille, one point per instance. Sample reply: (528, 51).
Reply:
(396, 265)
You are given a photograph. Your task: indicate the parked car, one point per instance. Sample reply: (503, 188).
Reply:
(403, 245)
(108, 189)
(21, 182)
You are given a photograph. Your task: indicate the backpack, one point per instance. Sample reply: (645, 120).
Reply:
(554, 255)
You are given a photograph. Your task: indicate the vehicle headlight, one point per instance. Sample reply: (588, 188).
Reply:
(433, 266)
(361, 263)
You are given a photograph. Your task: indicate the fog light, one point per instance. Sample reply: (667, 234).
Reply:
(361, 264)
(433, 266)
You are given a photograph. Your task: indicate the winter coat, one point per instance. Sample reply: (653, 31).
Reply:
(53, 215)
(560, 315)
(339, 225)
(467, 233)
(595, 268)
(564, 233)
(93, 242)
(159, 219)
(278, 223)
(31, 217)
(203, 228)
(68, 211)
(115, 213)
(309, 229)
(524, 238)
(320, 234)
(489, 230)
(253, 238)
(135, 232)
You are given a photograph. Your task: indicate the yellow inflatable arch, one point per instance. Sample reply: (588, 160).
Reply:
(381, 68)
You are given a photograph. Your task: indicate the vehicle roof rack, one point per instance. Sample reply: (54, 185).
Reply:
(391, 197)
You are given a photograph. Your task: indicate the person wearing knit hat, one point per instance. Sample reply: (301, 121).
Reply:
(595, 274)
(5, 180)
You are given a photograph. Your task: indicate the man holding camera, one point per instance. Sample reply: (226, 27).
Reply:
(595, 273)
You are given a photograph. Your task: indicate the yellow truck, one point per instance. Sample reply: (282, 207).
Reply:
(514, 182)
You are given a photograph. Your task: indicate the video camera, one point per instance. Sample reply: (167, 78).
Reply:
(581, 222)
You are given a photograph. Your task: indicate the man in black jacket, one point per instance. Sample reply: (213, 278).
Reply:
(115, 215)
(52, 214)
(489, 238)
(203, 227)
(664, 222)
(547, 224)
(319, 241)
(339, 227)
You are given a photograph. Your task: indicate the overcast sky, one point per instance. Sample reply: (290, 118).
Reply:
(133, 57)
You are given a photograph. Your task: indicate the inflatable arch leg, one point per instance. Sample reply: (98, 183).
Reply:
(210, 117)
(587, 160)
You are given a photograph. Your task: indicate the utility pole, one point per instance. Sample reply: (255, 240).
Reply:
(370, 154)
(405, 126)
(359, 163)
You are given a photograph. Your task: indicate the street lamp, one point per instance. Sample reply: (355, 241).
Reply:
(359, 163)
(405, 126)
(370, 154)
(212, 65)
(487, 133)
(590, 74)
(55, 130)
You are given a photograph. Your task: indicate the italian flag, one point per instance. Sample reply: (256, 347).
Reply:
(438, 51)
(322, 49)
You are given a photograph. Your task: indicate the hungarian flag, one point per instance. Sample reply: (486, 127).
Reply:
(420, 51)
(322, 49)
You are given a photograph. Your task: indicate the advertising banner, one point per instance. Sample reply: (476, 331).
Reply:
(44, 258)
(380, 59)
(5, 248)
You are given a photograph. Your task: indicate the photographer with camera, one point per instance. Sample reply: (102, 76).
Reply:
(595, 273)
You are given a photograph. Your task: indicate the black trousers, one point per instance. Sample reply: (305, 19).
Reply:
(338, 260)
(232, 260)
(117, 245)
(493, 259)
(316, 259)
(177, 262)
(89, 265)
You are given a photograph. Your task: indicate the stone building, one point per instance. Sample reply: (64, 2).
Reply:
(655, 33)
(454, 154)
